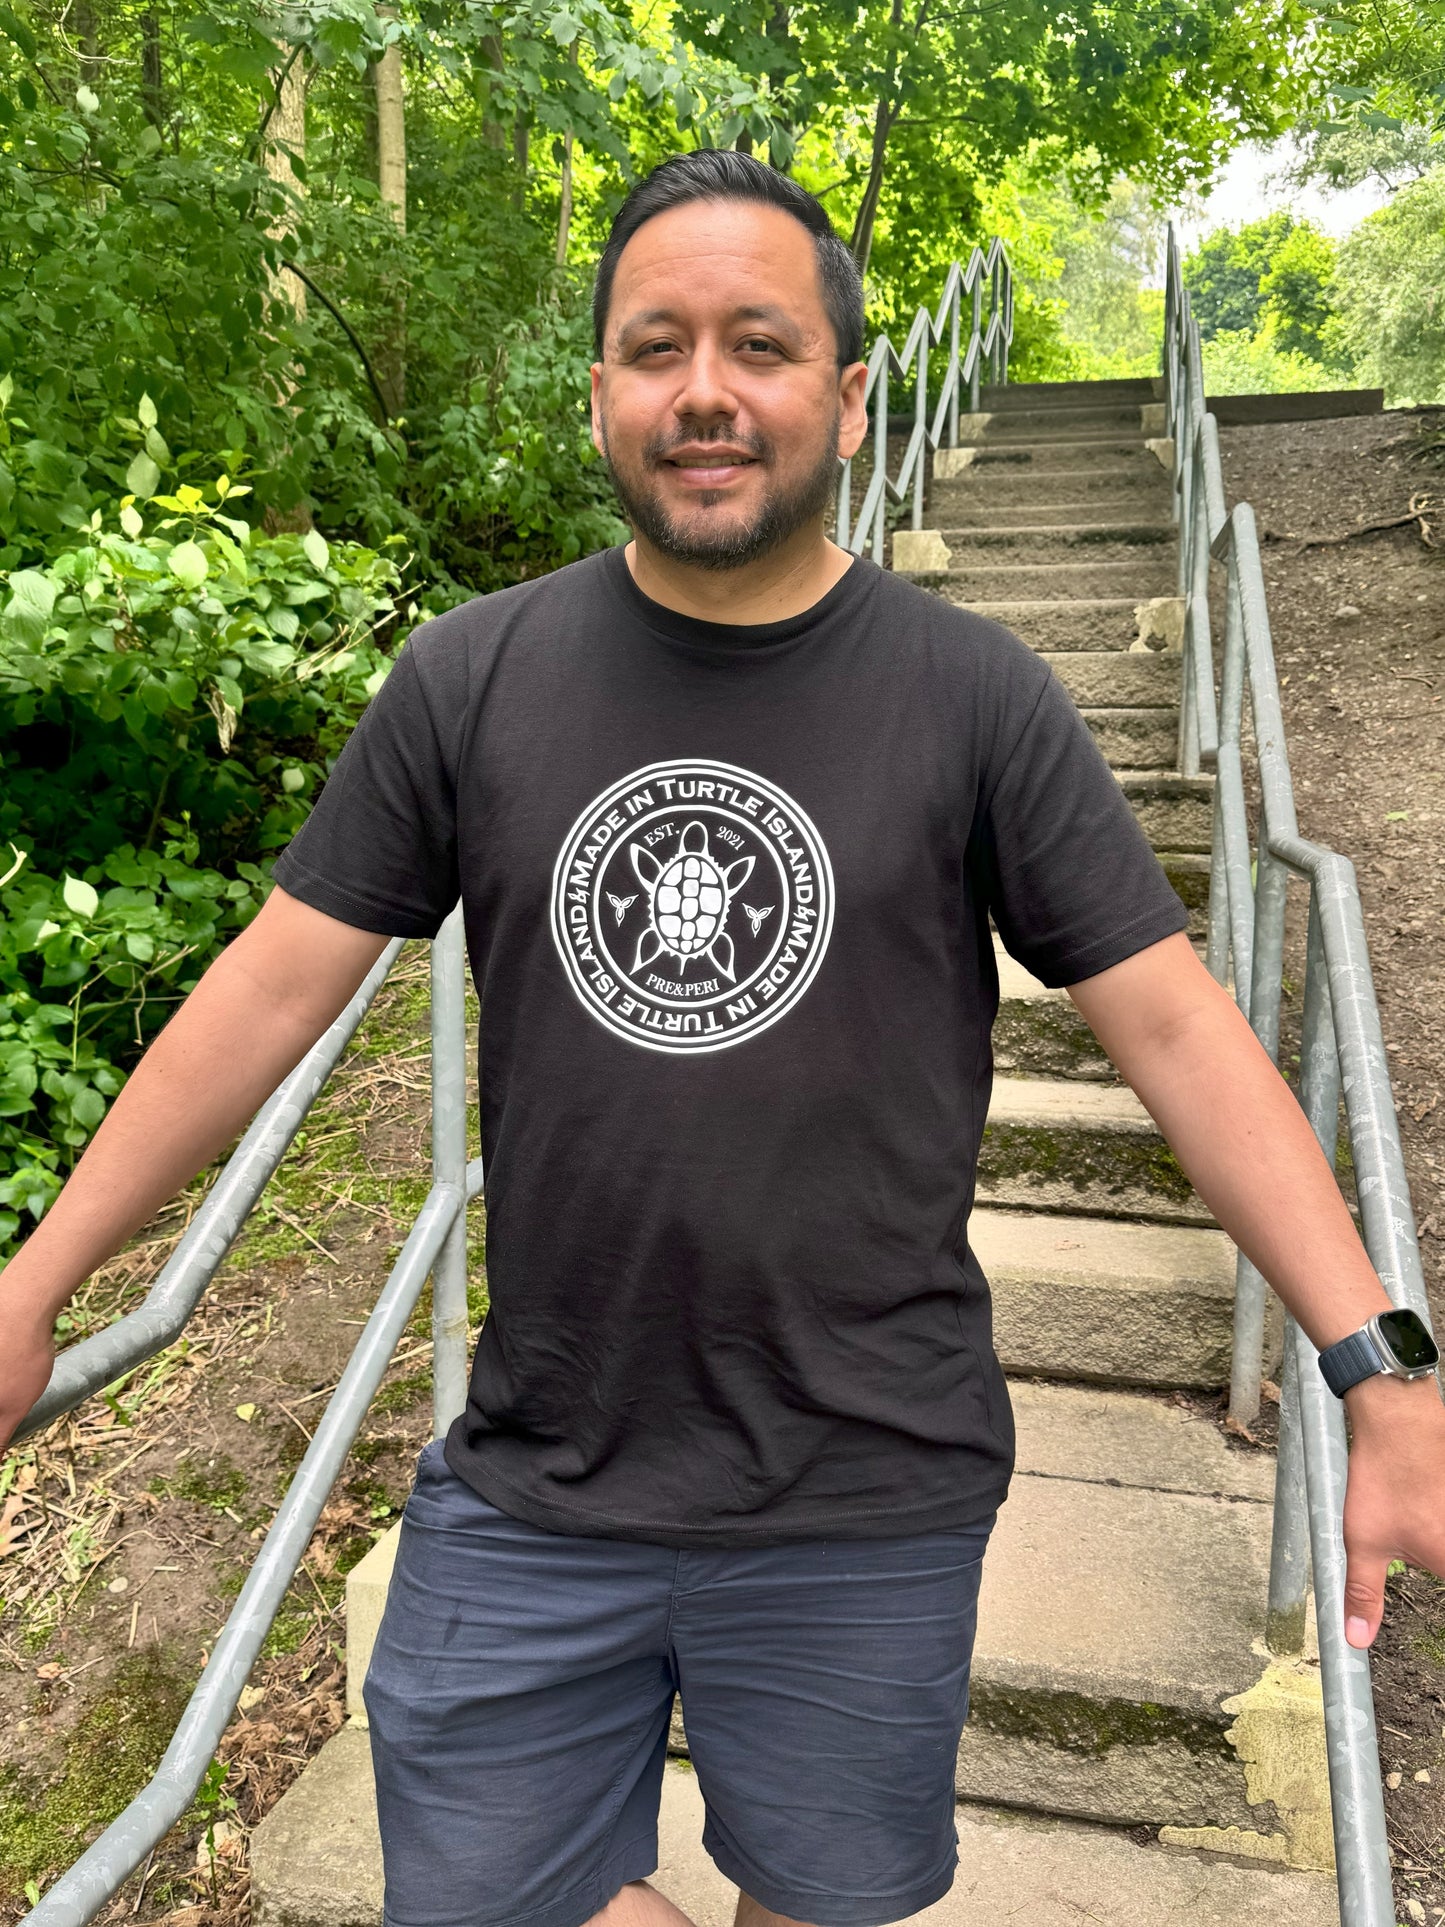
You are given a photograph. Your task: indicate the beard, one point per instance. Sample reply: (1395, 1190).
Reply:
(731, 543)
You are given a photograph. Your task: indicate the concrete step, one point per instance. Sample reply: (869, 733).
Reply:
(1045, 394)
(1091, 623)
(1136, 738)
(981, 483)
(1046, 541)
(950, 509)
(1119, 455)
(1083, 1149)
(1188, 871)
(1121, 1622)
(316, 1862)
(1106, 1301)
(1114, 679)
(1151, 573)
(1176, 813)
(1099, 420)
(1039, 1033)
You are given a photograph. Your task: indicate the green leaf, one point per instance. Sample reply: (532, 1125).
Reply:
(143, 478)
(292, 780)
(147, 412)
(317, 552)
(188, 564)
(131, 522)
(86, 101)
(80, 897)
(87, 1107)
(156, 447)
(32, 596)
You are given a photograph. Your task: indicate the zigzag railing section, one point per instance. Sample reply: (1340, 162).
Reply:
(987, 285)
(1342, 1051)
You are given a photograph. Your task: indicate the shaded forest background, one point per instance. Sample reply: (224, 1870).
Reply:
(294, 345)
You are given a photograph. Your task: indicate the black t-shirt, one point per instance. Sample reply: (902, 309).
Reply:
(727, 895)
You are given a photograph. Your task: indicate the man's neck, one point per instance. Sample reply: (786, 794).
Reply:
(783, 584)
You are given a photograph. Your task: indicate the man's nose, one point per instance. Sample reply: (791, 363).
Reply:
(706, 392)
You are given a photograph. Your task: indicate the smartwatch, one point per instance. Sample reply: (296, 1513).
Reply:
(1396, 1342)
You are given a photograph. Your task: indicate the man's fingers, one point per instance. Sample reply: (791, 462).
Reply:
(1364, 1596)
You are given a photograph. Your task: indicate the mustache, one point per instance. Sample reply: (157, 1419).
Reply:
(658, 447)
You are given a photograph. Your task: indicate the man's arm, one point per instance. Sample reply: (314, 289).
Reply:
(252, 1018)
(1247, 1147)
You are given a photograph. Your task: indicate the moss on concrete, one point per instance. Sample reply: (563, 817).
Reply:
(1074, 1723)
(1082, 1159)
(111, 1754)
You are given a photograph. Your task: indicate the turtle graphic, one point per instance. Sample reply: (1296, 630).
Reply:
(687, 902)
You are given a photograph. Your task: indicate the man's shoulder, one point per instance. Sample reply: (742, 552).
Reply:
(962, 644)
(484, 619)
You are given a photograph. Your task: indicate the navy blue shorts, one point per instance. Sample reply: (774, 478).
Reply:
(521, 1691)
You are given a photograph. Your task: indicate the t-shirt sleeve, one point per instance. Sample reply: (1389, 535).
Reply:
(1071, 881)
(379, 850)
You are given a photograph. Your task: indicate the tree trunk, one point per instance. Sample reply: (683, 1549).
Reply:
(390, 128)
(564, 207)
(520, 145)
(285, 136)
(777, 29)
(386, 78)
(152, 83)
(862, 241)
(87, 35)
(493, 133)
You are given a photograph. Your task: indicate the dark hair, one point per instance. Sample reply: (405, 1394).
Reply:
(723, 174)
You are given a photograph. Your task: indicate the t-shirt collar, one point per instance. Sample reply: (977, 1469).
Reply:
(734, 639)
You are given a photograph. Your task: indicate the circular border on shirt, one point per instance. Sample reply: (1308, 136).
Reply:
(692, 903)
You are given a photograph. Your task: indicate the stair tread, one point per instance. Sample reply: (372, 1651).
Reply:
(1047, 1100)
(1133, 1440)
(317, 1856)
(1124, 1593)
(1014, 1244)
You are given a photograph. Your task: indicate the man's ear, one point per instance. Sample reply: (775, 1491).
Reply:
(599, 440)
(852, 415)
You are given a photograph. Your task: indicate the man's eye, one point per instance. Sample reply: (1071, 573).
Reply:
(759, 344)
(655, 348)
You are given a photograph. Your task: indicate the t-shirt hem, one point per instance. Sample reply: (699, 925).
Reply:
(347, 906)
(875, 1522)
(1073, 966)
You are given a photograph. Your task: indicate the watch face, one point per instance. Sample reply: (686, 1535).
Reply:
(1407, 1338)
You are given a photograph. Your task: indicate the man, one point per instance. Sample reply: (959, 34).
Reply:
(728, 813)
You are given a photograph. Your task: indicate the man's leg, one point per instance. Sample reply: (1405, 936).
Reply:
(639, 1904)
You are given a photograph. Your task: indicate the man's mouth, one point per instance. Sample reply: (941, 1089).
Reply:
(710, 467)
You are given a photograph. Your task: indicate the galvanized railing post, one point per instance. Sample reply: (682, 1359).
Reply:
(954, 321)
(920, 425)
(973, 378)
(1319, 1091)
(449, 1167)
(880, 452)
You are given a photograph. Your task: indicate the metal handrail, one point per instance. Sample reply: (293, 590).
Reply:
(1342, 1050)
(988, 340)
(435, 1247)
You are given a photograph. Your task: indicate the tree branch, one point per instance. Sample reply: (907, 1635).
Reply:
(346, 328)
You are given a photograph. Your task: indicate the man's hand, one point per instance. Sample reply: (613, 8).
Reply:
(30, 1354)
(1395, 1499)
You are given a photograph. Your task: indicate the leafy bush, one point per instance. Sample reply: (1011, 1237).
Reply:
(90, 967)
(171, 676)
(1237, 362)
(170, 660)
(1389, 285)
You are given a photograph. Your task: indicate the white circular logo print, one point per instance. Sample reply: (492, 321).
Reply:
(691, 905)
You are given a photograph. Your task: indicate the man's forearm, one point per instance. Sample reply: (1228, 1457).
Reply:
(1243, 1142)
(240, 1031)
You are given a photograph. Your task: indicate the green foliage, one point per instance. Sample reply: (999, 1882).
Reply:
(1237, 362)
(1388, 286)
(1224, 273)
(1296, 291)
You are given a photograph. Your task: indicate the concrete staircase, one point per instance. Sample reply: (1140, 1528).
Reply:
(1134, 1754)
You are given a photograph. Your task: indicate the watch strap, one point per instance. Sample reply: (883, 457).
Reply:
(1345, 1364)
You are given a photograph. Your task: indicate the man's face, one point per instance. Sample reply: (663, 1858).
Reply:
(718, 403)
